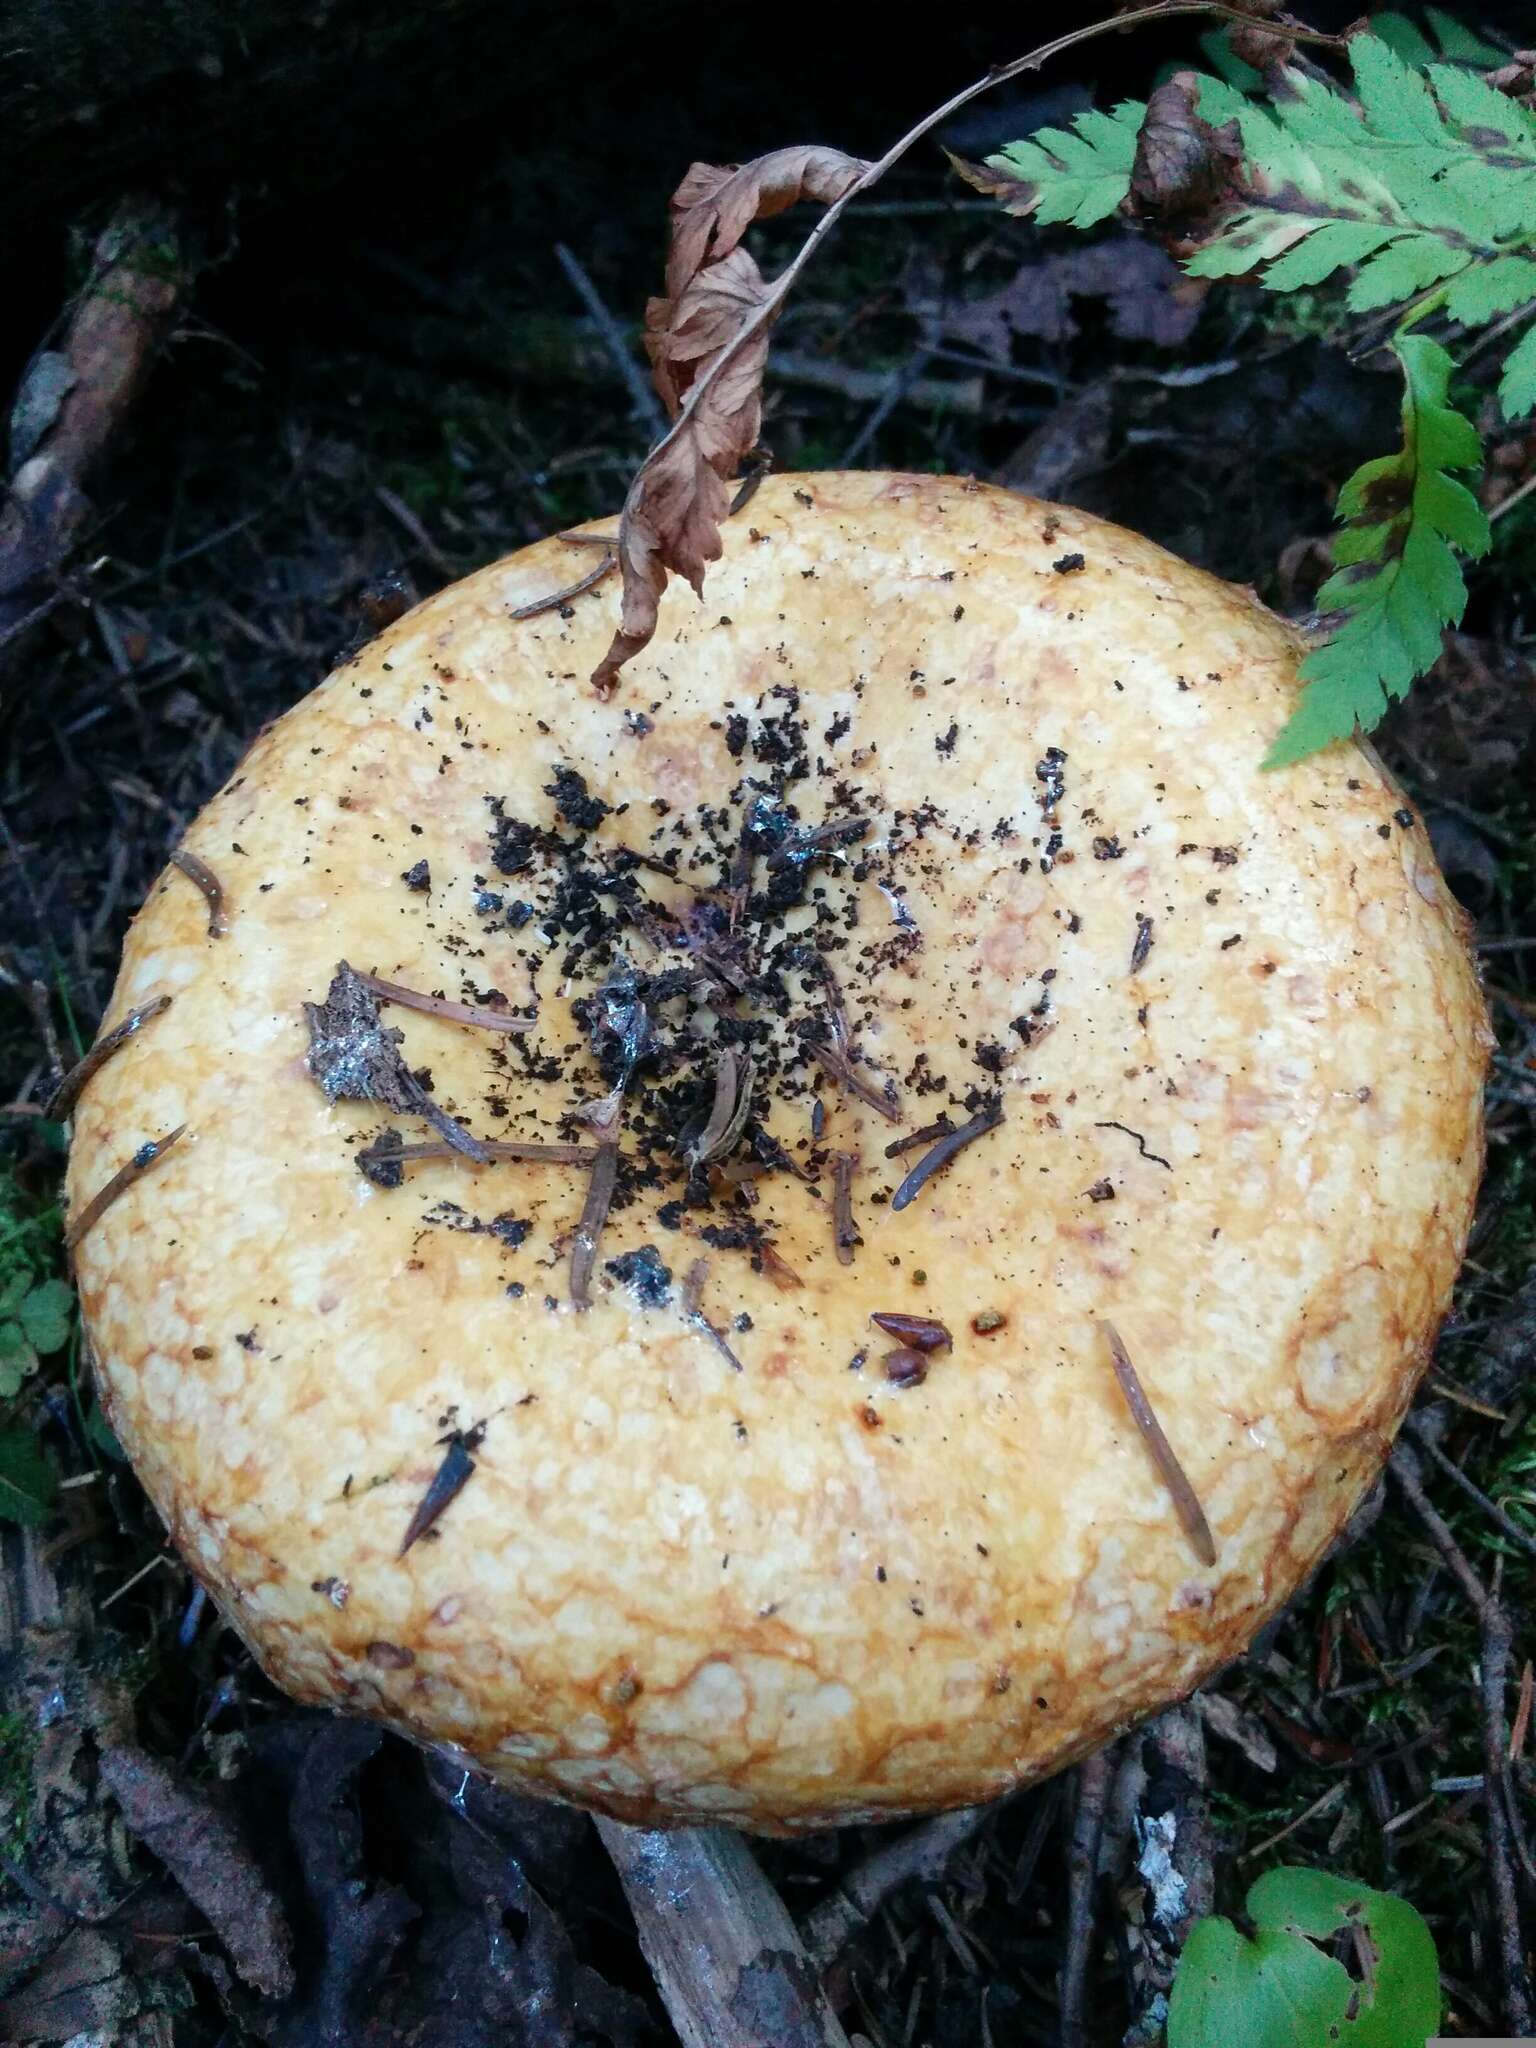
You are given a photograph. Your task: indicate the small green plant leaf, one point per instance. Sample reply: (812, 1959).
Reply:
(1397, 584)
(1455, 41)
(45, 1315)
(17, 1359)
(1399, 2005)
(1272, 1992)
(1077, 175)
(100, 1433)
(1281, 1991)
(29, 1486)
(1405, 37)
(1517, 386)
(1458, 42)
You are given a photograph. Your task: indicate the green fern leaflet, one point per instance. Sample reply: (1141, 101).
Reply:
(1397, 584)
(1075, 176)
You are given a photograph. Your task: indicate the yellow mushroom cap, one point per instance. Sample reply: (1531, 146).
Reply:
(1010, 860)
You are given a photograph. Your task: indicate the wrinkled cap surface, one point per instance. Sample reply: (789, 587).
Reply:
(942, 809)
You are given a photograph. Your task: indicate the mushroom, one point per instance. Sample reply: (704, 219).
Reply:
(529, 1390)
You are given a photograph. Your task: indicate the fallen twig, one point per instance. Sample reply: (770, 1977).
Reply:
(1496, 1636)
(646, 407)
(845, 1232)
(920, 1856)
(1093, 1779)
(381, 1162)
(727, 1961)
(594, 1213)
(842, 1069)
(479, 1014)
(75, 399)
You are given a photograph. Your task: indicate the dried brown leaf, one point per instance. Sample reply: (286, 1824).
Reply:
(208, 1856)
(707, 359)
(716, 203)
(1015, 193)
(1184, 167)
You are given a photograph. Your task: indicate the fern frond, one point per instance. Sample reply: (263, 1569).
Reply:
(1415, 180)
(1075, 175)
(1397, 583)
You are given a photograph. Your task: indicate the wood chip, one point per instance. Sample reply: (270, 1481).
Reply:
(840, 1066)
(594, 1214)
(1186, 1504)
(692, 1297)
(448, 1482)
(936, 1160)
(845, 1232)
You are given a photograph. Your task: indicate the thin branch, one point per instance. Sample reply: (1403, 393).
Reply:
(921, 1855)
(842, 1069)
(647, 407)
(594, 1212)
(1496, 1638)
(1094, 1777)
(556, 598)
(379, 1161)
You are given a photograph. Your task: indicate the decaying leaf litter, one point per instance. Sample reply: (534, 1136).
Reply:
(1354, 1734)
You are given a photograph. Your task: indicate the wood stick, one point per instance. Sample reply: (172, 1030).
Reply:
(1094, 1778)
(724, 1952)
(79, 395)
(1174, 1868)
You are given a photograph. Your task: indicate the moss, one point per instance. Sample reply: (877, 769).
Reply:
(18, 1747)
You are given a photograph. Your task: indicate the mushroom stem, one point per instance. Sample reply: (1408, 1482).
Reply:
(727, 1961)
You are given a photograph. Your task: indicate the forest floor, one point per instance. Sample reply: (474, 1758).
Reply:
(415, 397)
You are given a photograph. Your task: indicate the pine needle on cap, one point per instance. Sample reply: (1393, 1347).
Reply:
(1185, 1501)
